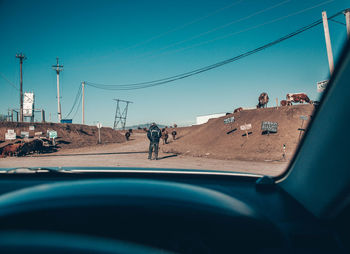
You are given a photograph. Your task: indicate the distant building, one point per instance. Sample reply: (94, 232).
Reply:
(205, 118)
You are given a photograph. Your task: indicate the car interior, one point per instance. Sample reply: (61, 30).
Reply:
(304, 210)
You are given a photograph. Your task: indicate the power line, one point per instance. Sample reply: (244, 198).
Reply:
(218, 28)
(76, 111)
(12, 84)
(147, 84)
(185, 25)
(338, 22)
(247, 29)
(77, 96)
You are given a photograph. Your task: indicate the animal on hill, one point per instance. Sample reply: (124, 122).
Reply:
(298, 98)
(263, 100)
(238, 110)
(33, 146)
(165, 136)
(285, 103)
(173, 133)
(10, 150)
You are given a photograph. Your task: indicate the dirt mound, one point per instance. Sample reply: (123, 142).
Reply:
(211, 139)
(68, 135)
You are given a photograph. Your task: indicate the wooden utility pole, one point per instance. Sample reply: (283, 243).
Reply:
(82, 102)
(347, 19)
(58, 68)
(21, 58)
(328, 42)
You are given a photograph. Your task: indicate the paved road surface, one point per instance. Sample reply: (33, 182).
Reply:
(134, 154)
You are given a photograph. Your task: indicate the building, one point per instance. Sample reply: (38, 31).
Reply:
(205, 118)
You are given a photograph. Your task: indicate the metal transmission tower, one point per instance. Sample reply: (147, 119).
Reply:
(120, 115)
(58, 68)
(21, 58)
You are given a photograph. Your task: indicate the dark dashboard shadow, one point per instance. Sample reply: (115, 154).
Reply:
(168, 156)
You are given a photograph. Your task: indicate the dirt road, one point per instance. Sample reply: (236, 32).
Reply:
(134, 154)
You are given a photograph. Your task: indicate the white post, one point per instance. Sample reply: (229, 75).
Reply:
(82, 103)
(328, 42)
(58, 97)
(347, 19)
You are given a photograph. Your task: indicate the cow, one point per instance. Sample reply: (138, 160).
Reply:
(165, 136)
(33, 146)
(263, 100)
(238, 110)
(10, 150)
(297, 98)
(173, 133)
(285, 103)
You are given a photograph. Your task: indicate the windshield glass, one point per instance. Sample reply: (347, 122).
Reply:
(202, 85)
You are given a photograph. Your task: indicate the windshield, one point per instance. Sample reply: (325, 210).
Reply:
(227, 86)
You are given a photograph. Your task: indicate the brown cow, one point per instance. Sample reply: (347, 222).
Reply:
(238, 110)
(263, 100)
(285, 103)
(10, 150)
(33, 146)
(298, 98)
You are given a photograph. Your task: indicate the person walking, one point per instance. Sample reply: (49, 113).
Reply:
(153, 134)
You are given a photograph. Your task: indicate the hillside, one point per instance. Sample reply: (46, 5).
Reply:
(211, 139)
(69, 135)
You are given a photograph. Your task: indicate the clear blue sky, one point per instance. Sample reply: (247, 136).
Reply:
(109, 42)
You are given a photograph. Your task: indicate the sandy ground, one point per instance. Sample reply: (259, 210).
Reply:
(134, 154)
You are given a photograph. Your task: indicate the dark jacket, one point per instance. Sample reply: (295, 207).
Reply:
(154, 133)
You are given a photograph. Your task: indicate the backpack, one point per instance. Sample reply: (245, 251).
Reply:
(154, 134)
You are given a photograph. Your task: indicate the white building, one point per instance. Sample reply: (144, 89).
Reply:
(205, 118)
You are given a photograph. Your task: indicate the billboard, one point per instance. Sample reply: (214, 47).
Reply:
(28, 104)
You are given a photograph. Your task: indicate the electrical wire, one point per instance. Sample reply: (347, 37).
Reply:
(218, 28)
(184, 25)
(247, 29)
(147, 84)
(76, 111)
(75, 101)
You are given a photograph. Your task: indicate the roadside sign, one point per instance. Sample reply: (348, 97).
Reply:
(99, 125)
(24, 134)
(229, 120)
(305, 118)
(31, 128)
(52, 134)
(39, 133)
(321, 85)
(245, 127)
(10, 131)
(10, 136)
(269, 126)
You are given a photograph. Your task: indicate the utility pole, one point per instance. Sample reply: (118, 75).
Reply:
(347, 19)
(328, 42)
(82, 102)
(21, 58)
(58, 68)
(120, 115)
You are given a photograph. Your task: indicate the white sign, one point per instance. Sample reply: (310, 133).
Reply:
(229, 120)
(10, 136)
(52, 134)
(99, 125)
(38, 133)
(246, 127)
(10, 131)
(24, 134)
(31, 128)
(28, 104)
(304, 118)
(321, 85)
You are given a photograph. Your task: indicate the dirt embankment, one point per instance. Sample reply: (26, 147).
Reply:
(211, 139)
(69, 135)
